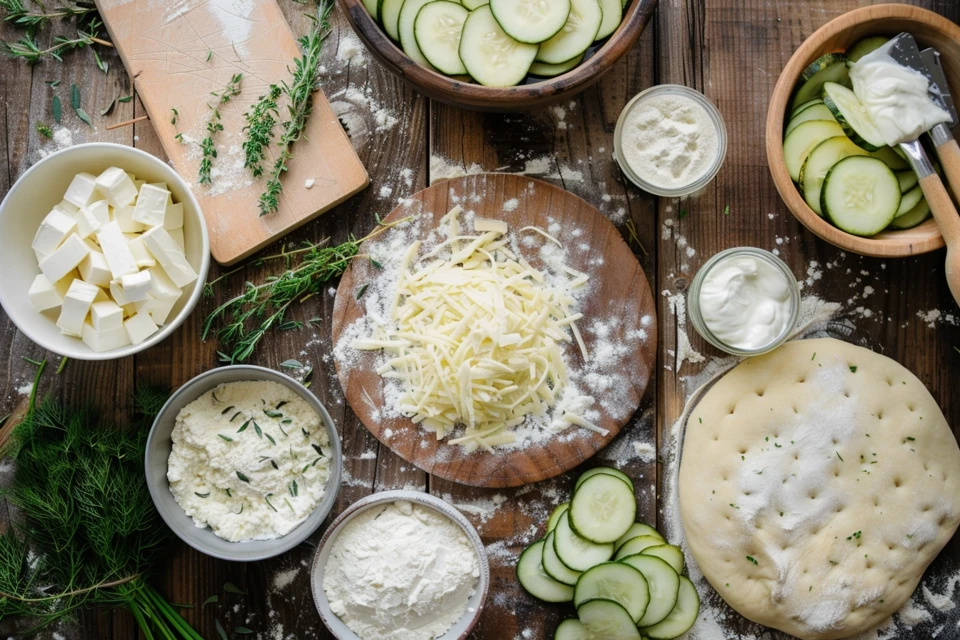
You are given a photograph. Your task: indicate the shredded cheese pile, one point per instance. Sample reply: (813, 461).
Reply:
(475, 337)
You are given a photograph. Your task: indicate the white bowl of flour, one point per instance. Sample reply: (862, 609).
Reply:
(400, 565)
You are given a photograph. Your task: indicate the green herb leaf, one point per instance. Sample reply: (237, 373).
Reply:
(44, 130)
(683, 214)
(211, 600)
(227, 410)
(274, 464)
(52, 83)
(103, 66)
(853, 368)
(726, 210)
(838, 455)
(270, 438)
(201, 495)
(227, 438)
(220, 631)
(242, 631)
(753, 560)
(257, 428)
(362, 290)
(83, 116)
(294, 489)
(910, 438)
(266, 499)
(209, 55)
(376, 265)
(176, 114)
(272, 414)
(291, 364)
(107, 109)
(75, 97)
(229, 587)
(244, 426)
(242, 477)
(124, 99)
(57, 109)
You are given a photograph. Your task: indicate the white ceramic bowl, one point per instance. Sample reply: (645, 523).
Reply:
(33, 196)
(159, 445)
(459, 631)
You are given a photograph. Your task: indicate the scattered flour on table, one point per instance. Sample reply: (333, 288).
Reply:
(361, 114)
(285, 578)
(62, 138)
(684, 351)
(233, 18)
(933, 317)
(443, 169)
(25, 389)
(645, 451)
(350, 50)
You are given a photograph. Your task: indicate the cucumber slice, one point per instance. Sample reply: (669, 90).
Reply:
(617, 582)
(490, 56)
(821, 63)
(571, 629)
(535, 580)
(575, 552)
(408, 38)
(602, 508)
(437, 29)
(907, 179)
(390, 17)
(682, 617)
(804, 139)
(805, 105)
(577, 34)
(852, 116)
(531, 21)
(892, 158)
(861, 195)
(819, 162)
(813, 87)
(669, 553)
(912, 218)
(607, 620)
(555, 515)
(612, 17)
(663, 583)
(637, 529)
(552, 565)
(373, 8)
(865, 46)
(589, 473)
(637, 545)
(814, 112)
(474, 4)
(545, 70)
(909, 200)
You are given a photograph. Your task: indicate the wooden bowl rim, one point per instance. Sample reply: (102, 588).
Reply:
(635, 18)
(890, 244)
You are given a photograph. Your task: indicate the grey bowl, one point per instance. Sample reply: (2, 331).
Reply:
(461, 630)
(159, 445)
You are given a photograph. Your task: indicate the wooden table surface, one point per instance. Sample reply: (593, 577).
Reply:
(732, 50)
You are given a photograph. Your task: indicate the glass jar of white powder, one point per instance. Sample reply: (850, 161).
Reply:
(670, 140)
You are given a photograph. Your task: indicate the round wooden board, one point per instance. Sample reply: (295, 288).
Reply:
(618, 295)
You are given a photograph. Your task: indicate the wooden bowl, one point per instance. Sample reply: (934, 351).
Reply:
(839, 34)
(477, 97)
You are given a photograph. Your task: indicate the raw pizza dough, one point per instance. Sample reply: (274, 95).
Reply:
(817, 483)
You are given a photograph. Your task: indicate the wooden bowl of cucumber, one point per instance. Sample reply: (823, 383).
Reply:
(808, 135)
(498, 55)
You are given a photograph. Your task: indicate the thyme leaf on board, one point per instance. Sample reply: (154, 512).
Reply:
(27, 48)
(261, 120)
(214, 126)
(44, 130)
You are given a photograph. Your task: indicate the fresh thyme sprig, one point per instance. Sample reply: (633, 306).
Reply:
(299, 93)
(214, 125)
(243, 320)
(27, 47)
(18, 14)
(260, 122)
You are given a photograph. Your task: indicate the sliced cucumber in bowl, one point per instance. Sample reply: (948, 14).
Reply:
(861, 195)
(531, 21)
(390, 17)
(545, 70)
(850, 113)
(804, 139)
(909, 200)
(602, 509)
(406, 25)
(908, 179)
(555, 515)
(615, 581)
(806, 105)
(554, 567)
(819, 162)
(474, 4)
(612, 16)
(437, 30)
(829, 68)
(576, 36)
(571, 629)
(490, 56)
(576, 552)
(373, 8)
(814, 112)
(535, 580)
(911, 218)
(865, 46)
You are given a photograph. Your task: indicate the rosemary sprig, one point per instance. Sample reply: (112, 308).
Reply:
(214, 125)
(244, 319)
(19, 15)
(260, 122)
(28, 49)
(298, 92)
(44, 130)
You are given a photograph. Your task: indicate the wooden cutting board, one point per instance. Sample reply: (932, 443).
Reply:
(618, 297)
(165, 45)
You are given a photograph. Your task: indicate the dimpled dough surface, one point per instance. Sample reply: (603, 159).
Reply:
(834, 469)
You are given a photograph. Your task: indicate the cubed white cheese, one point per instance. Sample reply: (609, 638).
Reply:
(106, 316)
(101, 210)
(56, 226)
(65, 259)
(82, 190)
(115, 249)
(169, 254)
(68, 207)
(129, 310)
(138, 183)
(76, 305)
(116, 292)
(87, 223)
(136, 286)
(177, 235)
(45, 294)
(139, 250)
(116, 186)
(173, 219)
(163, 185)
(151, 205)
(124, 217)
(163, 296)
(139, 327)
(105, 340)
(95, 270)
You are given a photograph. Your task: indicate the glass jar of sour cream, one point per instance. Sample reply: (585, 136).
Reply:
(744, 301)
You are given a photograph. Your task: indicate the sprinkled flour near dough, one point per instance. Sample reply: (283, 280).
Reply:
(350, 50)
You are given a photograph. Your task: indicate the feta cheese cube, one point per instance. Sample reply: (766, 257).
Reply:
(177, 235)
(163, 296)
(104, 340)
(138, 183)
(65, 259)
(52, 231)
(101, 211)
(47, 295)
(67, 207)
(169, 254)
(106, 316)
(124, 217)
(76, 305)
(163, 185)
(173, 219)
(139, 327)
(95, 270)
(87, 223)
(136, 286)
(117, 187)
(116, 292)
(139, 250)
(151, 205)
(82, 190)
(115, 249)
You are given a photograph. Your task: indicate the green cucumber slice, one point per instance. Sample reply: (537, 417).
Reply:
(607, 620)
(577, 34)
(552, 565)
(474, 4)
(602, 508)
(804, 139)
(406, 26)
(821, 63)
(813, 87)
(860, 195)
(612, 17)
(663, 583)
(909, 200)
(669, 553)
(555, 515)
(814, 112)
(490, 56)
(576, 552)
(535, 580)
(390, 17)
(589, 473)
(637, 545)
(681, 619)
(545, 70)
(637, 529)
(617, 582)
(571, 629)
(912, 218)
(852, 116)
(907, 179)
(819, 162)
(892, 158)
(865, 46)
(531, 21)
(805, 105)
(373, 8)
(437, 29)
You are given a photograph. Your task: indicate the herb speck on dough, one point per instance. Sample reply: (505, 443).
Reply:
(911, 439)
(813, 356)
(839, 456)
(853, 368)
(753, 560)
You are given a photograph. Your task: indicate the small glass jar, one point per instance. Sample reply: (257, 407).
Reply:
(695, 96)
(696, 314)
